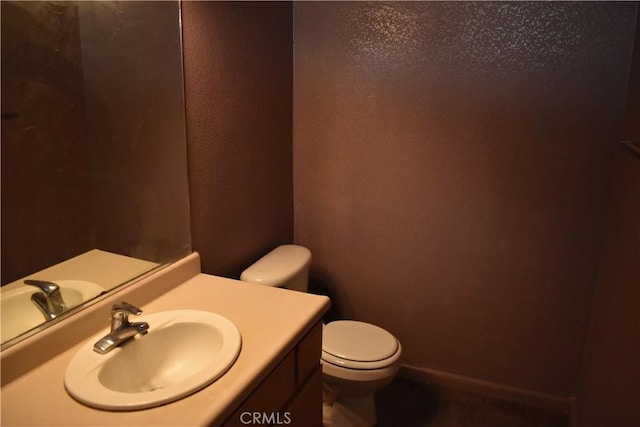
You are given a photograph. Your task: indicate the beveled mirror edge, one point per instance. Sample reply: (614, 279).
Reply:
(35, 349)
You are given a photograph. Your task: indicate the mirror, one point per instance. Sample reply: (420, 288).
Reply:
(94, 167)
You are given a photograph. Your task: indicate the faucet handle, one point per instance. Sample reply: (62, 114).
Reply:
(125, 308)
(49, 288)
(120, 314)
(49, 301)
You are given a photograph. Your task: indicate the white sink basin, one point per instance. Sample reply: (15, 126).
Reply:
(20, 314)
(184, 351)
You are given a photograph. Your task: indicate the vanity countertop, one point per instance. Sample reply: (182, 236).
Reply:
(270, 321)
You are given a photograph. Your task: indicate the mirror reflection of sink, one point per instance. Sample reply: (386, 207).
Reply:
(19, 314)
(184, 351)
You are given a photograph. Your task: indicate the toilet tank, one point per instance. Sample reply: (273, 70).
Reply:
(286, 266)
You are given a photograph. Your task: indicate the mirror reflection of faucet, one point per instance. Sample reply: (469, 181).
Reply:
(49, 301)
(121, 329)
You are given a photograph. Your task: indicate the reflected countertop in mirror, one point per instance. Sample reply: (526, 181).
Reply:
(80, 279)
(106, 269)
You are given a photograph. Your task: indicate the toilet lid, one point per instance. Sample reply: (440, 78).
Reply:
(358, 341)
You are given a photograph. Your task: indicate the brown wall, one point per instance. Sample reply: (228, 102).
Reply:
(451, 170)
(238, 74)
(609, 388)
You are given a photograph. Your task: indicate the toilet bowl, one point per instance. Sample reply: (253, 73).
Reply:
(357, 359)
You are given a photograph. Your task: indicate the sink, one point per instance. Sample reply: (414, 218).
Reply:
(20, 314)
(184, 351)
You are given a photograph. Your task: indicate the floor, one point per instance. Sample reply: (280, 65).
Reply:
(405, 403)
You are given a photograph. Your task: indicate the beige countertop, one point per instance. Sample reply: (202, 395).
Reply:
(270, 321)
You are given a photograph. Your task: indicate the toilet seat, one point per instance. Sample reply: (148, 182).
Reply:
(358, 345)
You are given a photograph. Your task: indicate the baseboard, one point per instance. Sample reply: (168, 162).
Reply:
(466, 384)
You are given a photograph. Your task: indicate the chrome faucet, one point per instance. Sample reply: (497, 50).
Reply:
(49, 301)
(121, 328)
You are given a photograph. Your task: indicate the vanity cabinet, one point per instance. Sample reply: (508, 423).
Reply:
(277, 374)
(292, 393)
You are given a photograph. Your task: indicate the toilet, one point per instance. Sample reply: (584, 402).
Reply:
(357, 359)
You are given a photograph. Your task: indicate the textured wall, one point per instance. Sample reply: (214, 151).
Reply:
(451, 171)
(609, 388)
(610, 385)
(238, 65)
